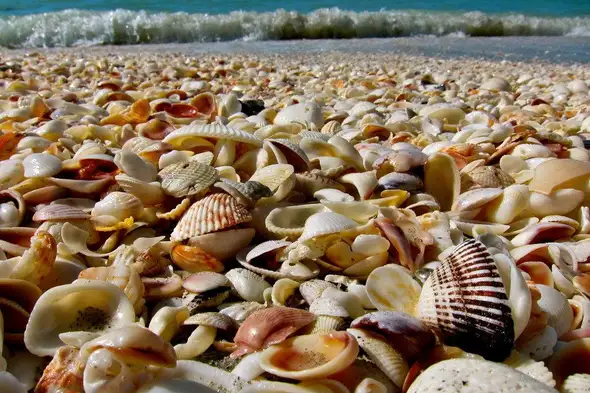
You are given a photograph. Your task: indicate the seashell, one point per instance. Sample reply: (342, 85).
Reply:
(332, 195)
(312, 289)
(310, 183)
(475, 199)
(290, 221)
(370, 385)
(205, 281)
(148, 193)
(84, 305)
(570, 359)
(222, 381)
(267, 327)
(539, 272)
(212, 213)
(400, 181)
(364, 183)
(558, 202)
(246, 193)
(386, 357)
(304, 113)
(310, 357)
(41, 165)
(286, 152)
(82, 186)
(554, 175)
(273, 176)
(283, 291)
(360, 212)
(185, 179)
(223, 245)
(329, 307)
(58, 212)
(119, 205)
(485, 177)
(134, 166)
(481, 375)
(193, 259)
(326, 223)
(530, 367)
(174, 386)
(495, 341)
(12, 172)
(476, 228)
(134, 345)
(188, 137)
(247, 284)
(512, 202)
(576, 383)
(347, 301)
(542, 232)
(442, 179)
(176, 212)
(496, 85)
(240, 311)
(555, 304)
(392, 288)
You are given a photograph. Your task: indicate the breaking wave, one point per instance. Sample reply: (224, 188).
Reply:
(124, 27)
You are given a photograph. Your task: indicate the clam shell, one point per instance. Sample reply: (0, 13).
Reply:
(59, 212)
(392, 288)
(273, 176)
(188, 178)
(325, 223)
(290, 221)
(85, 305)
(310, 357)
(305, 113)
(240, 311)
(474, 199)
(149, 193)
(223, 245)
(512, 202)
(41, 165)
(119, 205)
(552, 175)
(210, 214)
(205, 281)
(555, 304)
(134, 166)
(82, 186)
(185, 137)
(442, 180)
(485, 177)
(312, 289)
(530, 367)
(479, 321)
(287, 152)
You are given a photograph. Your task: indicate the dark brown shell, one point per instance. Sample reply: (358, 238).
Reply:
(465, 300)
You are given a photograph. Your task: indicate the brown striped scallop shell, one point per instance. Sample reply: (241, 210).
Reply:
(465, 300)
(210, 214)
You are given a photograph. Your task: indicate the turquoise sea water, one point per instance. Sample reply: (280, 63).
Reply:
(59, 23)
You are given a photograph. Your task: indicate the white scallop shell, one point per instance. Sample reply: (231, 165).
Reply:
(41, 165)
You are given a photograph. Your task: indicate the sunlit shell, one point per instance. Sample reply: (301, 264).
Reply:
(326, 223)
(41, 165)
(119, 205)
(59, 212)
(392, 288)
(290, 221)
(212, 213)
(576, 383)
(310, 357)
(441, 179)
(149, 193)
(184, 179)
(193, 259)
(223, 245)
(193, 135)
(558, 174)
(92, 306)
(247, 284)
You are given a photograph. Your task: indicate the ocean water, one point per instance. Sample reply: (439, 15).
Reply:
(66, 23)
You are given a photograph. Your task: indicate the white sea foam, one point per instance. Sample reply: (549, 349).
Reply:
(75, 27)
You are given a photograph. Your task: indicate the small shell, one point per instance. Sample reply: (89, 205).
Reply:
(191, 135)
(474, 199)
(119, 205)
(205, 281)
(248, 285)
(310, 357)
(59, 212)
(210, 214)
(312, 289)
(187, 178)
(149, 193)
(555, 304)
(41, 165)
(485, 177)
(223, 245)
(240, 311)
(193, 259)
(326, 223)
(392, 288)
(576, 383)
(283, 290)
(268, 327)
(290, 221)
(442, 180)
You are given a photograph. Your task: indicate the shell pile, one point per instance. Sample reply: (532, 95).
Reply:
(255, 224)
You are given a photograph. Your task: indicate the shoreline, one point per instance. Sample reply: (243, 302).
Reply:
(570, 51)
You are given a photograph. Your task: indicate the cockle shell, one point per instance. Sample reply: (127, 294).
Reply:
(187, 178)
(555, 304)
(485, 326)
(247, 284)
(59, 212)
(41, 165)
(119, 205)
(325, 223)
(482, 376)
(268, 327)
(212, 213)
(85, 305)
(193, 135)
(310, 357)
(576, 383)
(485, 177)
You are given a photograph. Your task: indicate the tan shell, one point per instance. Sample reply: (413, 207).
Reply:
(59, 212)
(184, 137)
(212, 213)
(187, 178)
(485, 177)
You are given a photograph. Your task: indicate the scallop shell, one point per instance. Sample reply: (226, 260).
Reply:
(85, 305)
(312, 289)
(240, 311)
(41, 165)
(59, 212)
(119, 205)
(485, 177)
(530, 367)
(475, 199)
(326, 223)
(576, 383)
(149, 193)
(480, 375)
(310, 357)
(212, 213)
(188, 178)
(308, 112)
(185, 137)
(309, 183)
(268, 327)
(483, 325)
(247, 284)
(134, 166)
(290, 221)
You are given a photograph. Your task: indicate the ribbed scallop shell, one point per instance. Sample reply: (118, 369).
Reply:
(465, 299)
(326, 223)
(273, 176)
(247, 284)
(212, 213)
(577, 383)
(530, 367)
(59, 213)
(205, 158)
(41, 165)
(312, 289)
(214, 130)
(485, 177)
(187, 178)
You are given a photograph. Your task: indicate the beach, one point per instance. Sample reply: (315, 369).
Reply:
(226, 197)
